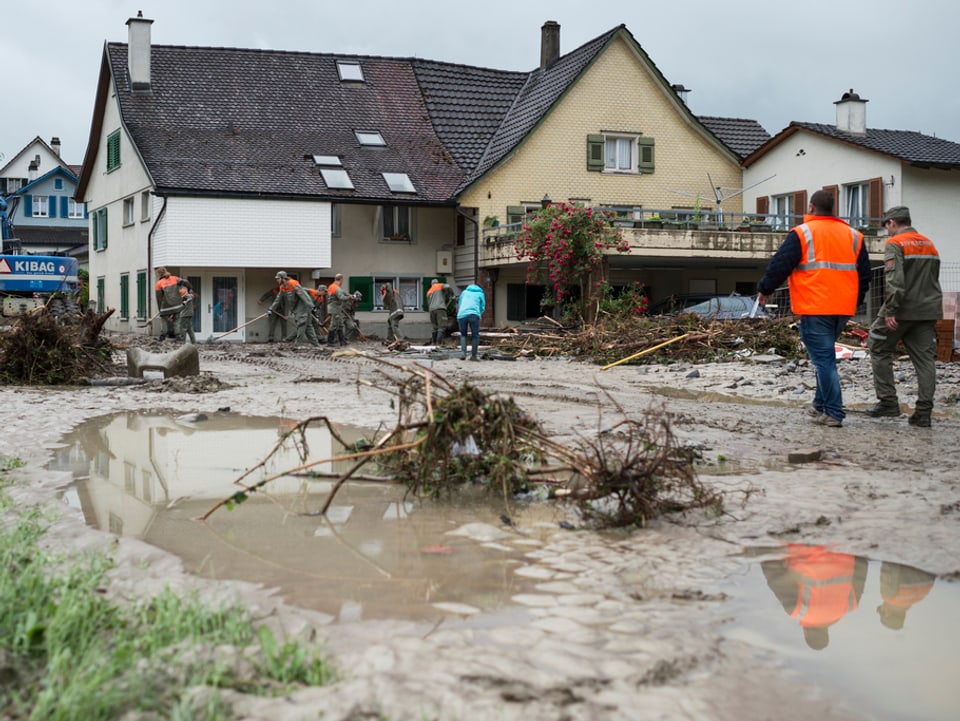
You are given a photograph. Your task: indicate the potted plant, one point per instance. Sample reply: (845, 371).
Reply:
(654, 221)
(758, 224)
(491, 221)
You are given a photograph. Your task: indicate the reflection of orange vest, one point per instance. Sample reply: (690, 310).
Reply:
(825, 589)
(826, 281)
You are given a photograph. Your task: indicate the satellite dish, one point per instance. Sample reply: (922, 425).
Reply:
(720, 193)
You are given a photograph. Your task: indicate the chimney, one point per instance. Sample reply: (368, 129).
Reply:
(549, 43)
(138, 53)
(852, 114)
(55, 145)
(32, 170)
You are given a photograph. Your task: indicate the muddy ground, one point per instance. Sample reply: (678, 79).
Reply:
(641, 636)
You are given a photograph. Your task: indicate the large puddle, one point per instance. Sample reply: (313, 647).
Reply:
(885, 637)
(374, 554)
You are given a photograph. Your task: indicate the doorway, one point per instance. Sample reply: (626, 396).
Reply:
(219, 308)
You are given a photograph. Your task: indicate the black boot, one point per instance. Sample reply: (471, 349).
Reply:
(343, 337)
(331, 338)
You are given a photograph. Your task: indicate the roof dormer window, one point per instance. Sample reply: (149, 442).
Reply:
(331, 160)
(399, 182)
(350, 71)
(370, 138)
(336, 179)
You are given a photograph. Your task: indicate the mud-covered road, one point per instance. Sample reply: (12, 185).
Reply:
(627, 627)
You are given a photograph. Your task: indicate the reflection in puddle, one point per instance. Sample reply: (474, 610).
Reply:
(375, 555)
(883, 635)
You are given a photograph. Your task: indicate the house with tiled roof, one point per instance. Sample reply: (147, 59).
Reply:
(38, 187)
(868, 170)
(226, 165)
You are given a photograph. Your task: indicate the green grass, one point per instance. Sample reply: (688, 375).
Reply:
(68, 652)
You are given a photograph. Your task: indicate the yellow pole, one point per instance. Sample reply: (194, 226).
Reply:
(648, 350)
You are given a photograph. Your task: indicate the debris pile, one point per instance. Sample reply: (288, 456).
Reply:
(450, 439)
(40, 349)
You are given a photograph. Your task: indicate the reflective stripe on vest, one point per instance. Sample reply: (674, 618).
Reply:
(826, 281)
(813, 264)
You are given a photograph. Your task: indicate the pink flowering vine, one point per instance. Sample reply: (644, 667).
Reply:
(564, 244)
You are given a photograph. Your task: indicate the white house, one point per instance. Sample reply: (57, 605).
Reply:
(868, 169)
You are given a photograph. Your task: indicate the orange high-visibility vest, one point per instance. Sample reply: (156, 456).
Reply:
(826, 281)
(825, 591)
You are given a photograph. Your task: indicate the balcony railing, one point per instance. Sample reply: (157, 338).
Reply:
(686, 219)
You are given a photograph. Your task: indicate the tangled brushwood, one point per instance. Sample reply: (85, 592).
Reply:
(41, 349)
(452, 437)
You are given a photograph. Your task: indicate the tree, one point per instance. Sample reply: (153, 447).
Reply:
(564, 245)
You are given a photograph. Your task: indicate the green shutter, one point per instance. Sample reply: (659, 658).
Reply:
(52, 206)
(124, 296)
(425, 287)
(645, 161)
(113, 150)
(27, 206)
(103, 228)
(141, 294)
(365, 286)
(595, 152)
(101, 295)
(64, 206)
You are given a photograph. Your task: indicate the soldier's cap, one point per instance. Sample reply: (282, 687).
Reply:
(900, 213)
(282, 274)
(434, 281)
(321, 289)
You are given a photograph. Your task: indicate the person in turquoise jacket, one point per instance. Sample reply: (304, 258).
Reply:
(470, 307)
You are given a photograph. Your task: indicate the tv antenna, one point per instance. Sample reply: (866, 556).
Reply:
(721, 193)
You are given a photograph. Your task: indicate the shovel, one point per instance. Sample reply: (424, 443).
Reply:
(150, 320)
(214, 338)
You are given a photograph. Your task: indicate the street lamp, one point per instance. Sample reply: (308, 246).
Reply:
(545, 203)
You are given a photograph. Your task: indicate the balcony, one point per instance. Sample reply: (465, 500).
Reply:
(657, 235)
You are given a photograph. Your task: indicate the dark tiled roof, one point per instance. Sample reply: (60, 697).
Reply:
(543, 87)
(224, 120)
(740, 135)
(466, 104)
(52, 236)
(924, 151)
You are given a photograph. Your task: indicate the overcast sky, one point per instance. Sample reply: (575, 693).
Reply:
(772, 62)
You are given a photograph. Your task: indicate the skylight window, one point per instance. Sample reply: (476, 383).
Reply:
(333, 160)
(350, 71)
(370, 137)
(399, 182)
(336, 179)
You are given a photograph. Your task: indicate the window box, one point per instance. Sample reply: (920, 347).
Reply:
(760, 227)
(655, 224)
(400, 238)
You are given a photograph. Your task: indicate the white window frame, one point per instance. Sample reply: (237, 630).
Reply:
(129, 211)
(331, 160)
(856, 204)
(145, 206)
(399, 215)
(41, 206)
(620, 153)
(399, 182)
(74, 209)
(781, 211)
(410, 287)
(350, 71)
(370, 138)
(336, 179)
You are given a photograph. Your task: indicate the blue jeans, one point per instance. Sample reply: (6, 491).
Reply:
(471, 323)
(819, 334)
